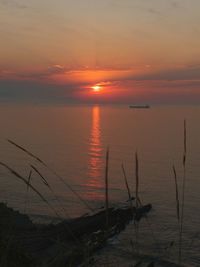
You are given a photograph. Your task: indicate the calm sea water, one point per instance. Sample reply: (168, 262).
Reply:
(72, 140)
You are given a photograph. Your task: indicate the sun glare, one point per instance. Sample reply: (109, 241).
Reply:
(96, 88)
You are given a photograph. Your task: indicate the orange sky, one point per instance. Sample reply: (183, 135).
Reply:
(128, 46)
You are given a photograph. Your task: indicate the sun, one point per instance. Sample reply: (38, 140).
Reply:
(96, 88)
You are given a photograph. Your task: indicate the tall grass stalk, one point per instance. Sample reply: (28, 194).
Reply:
(41, 176)
(51, 190)
(21, 178)
(177, 196)
(127, 186)
(177, 212)
(136, 179)
(183, 191)
(106, 188)
(29, 180)
(27, 190)
(52, 171)
(136, 224)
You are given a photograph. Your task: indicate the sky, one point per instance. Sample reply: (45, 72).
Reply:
(136, 51)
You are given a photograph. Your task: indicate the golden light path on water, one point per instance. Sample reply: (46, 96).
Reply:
(95, 165)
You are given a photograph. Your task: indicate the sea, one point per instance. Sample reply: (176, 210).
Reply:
(64, 158)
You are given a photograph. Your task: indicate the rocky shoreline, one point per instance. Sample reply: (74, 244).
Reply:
(68, 243)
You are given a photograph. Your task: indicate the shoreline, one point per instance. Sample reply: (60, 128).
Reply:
(41, 244)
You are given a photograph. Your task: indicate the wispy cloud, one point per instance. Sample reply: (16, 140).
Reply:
(36, 92)
(13, 4)
(56, 69)
(191, 72)
(175, 4)
(151, 7)
(131, 5)
(176, 85)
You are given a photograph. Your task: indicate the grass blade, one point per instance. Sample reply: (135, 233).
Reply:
(26, 151)
(20, 177)
(177, 195)
(51, 170)
(183, 190)
(50, 188)
(27, 190)
(127, 186)
(136, 179)
(41, 176)
(29, 179)
(106, 187)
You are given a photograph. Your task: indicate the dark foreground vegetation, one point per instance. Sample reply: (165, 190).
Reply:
(73, 242)
(68, 243)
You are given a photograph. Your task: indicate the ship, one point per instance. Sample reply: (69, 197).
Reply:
(139, 106)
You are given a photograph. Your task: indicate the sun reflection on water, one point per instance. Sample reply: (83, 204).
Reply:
(95, 157)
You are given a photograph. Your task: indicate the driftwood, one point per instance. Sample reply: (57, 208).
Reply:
(67, 243)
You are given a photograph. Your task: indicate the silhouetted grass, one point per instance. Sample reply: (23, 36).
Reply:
(177, 211)
(20, 177)
(51, 170)
(177, 196)
(28, 183)
(183, 190)
(136, 178)
(136, 223)
(180, 202)
(27, 190)
(51, 189)
(26, 151)
(106, 187)
(41, 176)
(127, 186)
(29, 179)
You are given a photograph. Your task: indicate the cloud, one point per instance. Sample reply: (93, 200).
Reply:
(186, 73)
(36, 92)
(130, 5)
(175, 4)
(172, 85)
(5, 73)
(13, 3)
(36, 75)
(56, 69)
